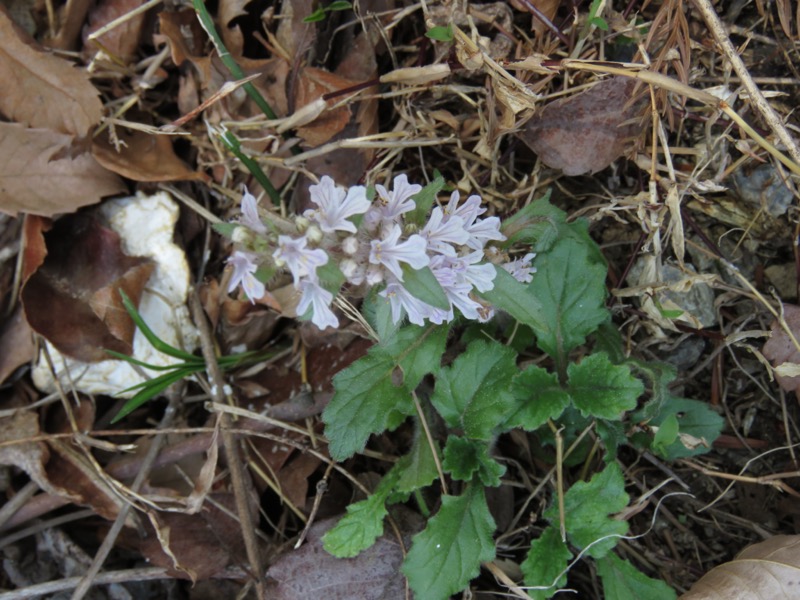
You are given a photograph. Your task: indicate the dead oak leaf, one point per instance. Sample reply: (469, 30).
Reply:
(72, 300)
(42, 90)
(39, 174)
(121, 41)
(588, 131)
(142, 157)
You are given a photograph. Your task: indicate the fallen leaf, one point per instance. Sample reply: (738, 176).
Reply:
(42, 90)
(40, 175)
(72, 299)
(142, 157)
(196, 546)
(123, 40)
(186, 39)
(763, 571)
(588, 131)
(310, 572)
(313, 83)
(780, 349)
(232, 34)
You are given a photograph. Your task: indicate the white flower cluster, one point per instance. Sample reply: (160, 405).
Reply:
(373, 253)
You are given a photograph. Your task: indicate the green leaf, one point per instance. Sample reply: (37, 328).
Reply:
(474, 393)
(422, 284)
(614, 435)
(623, 581)
(666, 435)
(225, 229)
(448, 553)
(363, 523)
(697, 422)
(464, 458)
(418, 351)
(424, 200)
(418, 467)
(151, 389)
(661, 375)
(339, 5)
(545, 564)
(317, 15)
(513, 297)
(536, 225)
(330, 277)
(365, 401)
(602, 389)
(599, 22)
(440, 34)
(570, 289)
(369, 398)
(539, 398)
(586, 510)
(151, 337)
(378, 313)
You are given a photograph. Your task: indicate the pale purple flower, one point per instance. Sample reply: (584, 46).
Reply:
(398, 201)
(244, 268)
(521, 268)
(250, 216)
(401, 300)
(336, 205)
(441, 234)
(390, 254)
(480, 230)
(300, 260)
(319, 300)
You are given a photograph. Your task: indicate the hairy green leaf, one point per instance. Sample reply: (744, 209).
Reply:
(602, 389)
(513, 297)
(418, 467)
(363, 523)
(422, 284)
(570, 289)
(474, 392)
(464, 458)
(586, 509)
(546, 561)
(622, 581)
(539, 398)
(448, 553)
(698, 427)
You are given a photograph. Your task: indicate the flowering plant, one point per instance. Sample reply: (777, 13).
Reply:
(425, 272)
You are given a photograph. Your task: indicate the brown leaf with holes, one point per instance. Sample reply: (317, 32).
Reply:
(781, 351)
(763, 571)
(121, 41)
(43, 174)
(310, 572)
(588, 131)
(42, 90)
(142, 157)
(72, 299)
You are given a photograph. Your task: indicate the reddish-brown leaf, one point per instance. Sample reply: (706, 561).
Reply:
(72, 299)
(186, 40)
(588, 131)
(42, 90)
(40, 173)
(16, 344)
(780, 349)
(142, 157)
(312, 84)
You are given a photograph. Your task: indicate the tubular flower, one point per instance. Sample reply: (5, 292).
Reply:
(244, 269)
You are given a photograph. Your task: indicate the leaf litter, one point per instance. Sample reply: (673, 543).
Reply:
(527, 96)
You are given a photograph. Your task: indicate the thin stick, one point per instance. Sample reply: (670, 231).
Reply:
(756, 97)
(238, 475)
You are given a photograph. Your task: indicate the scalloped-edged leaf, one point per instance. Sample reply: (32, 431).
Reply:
(546, 560)
(602, 389)
(448, 553)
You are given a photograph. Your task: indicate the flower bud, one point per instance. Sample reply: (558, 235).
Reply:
(314, 234)
(350, 245)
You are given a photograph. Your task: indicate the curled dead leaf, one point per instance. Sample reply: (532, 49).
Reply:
(781, 351)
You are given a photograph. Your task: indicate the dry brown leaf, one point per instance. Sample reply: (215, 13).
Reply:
(123, 40)
(310, 572)
(72, 300)
(186, 39)
(312, 84)
(780, 349)
(39, 175)
(764, 571)
(232, 34)
(142, 157)
(16, 344)
(42, 90)
(585, 132)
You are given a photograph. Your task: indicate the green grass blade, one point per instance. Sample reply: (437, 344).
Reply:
(150, 390)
